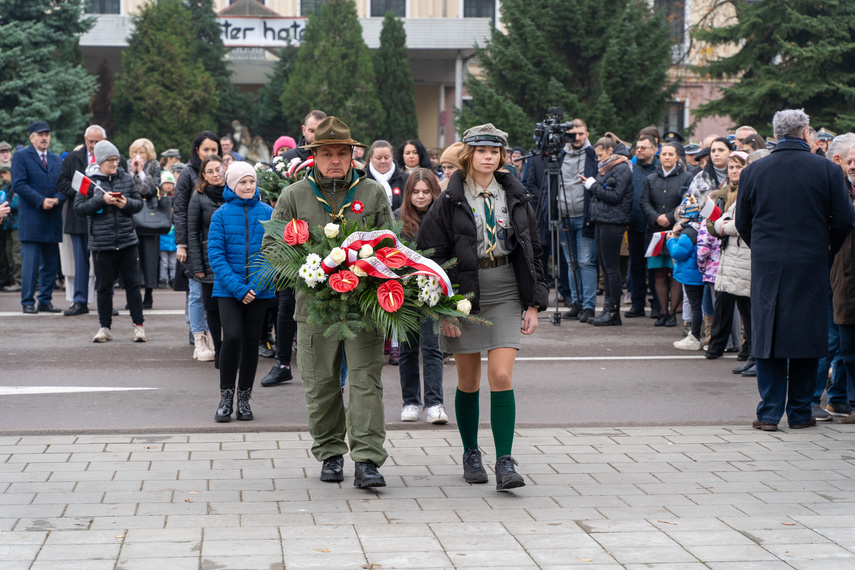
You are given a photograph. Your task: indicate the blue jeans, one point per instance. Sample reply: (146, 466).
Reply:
(80, 246)
(586, 256)
(408, 363)
(837, 390)
(39, 259)
(785, 385)
(196, 307)
(847, 352)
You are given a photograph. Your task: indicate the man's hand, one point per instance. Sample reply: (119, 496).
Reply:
(450, 330)
(49, 203)
(663, 221)
(181, 253)
(4, 210)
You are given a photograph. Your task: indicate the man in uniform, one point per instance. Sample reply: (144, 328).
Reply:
(334, 189)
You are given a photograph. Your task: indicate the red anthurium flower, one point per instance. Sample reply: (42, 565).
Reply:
(343, 281)
(390, 296)
(391, 257)
(296, 232)
(357, 207)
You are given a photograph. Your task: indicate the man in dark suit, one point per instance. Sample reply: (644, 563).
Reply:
(35, 171)
(792, 211)
(74, 225)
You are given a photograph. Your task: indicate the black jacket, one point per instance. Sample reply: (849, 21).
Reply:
(397, 182)
(76, 161)
(199, 212)
(611, 194)
(661, 195)
(110, 228)
(449, 229)
(184, 188)
(301, 153)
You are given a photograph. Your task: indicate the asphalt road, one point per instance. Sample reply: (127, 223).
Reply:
(569, 375)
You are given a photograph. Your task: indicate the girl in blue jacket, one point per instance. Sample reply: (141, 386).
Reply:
(234, 252)
(683, 246)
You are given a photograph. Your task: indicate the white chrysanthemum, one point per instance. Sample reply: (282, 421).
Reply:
(319, 275)
(433, 298)
(306, 272)
(434, 284)
(421, 281)
(423, 296)
(311, 282)
(313, 260)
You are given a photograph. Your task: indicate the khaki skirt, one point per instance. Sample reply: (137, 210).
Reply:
(500, 304)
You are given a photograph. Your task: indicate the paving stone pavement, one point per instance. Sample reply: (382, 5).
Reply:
(668, 498)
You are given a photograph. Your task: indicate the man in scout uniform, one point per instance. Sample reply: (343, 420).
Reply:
(335, 190)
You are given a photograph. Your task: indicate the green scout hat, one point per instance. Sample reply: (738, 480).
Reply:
(485, 135)
(333, 131)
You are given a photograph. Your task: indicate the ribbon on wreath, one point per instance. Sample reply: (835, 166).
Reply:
(376, 268)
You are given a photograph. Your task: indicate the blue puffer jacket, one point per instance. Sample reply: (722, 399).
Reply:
(685, 254)
(234, 246)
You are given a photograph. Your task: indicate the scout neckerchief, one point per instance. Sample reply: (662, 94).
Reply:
(339, 217)
(490, 220)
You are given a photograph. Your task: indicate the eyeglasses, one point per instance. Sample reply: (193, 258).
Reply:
(215, 171)
(114, 160)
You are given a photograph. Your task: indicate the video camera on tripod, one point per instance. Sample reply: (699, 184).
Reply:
(551, 134)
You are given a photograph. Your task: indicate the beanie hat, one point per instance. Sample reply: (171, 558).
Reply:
(283, 142)
(104, 150)
(452, 154)
(166, 177)
(238, 170)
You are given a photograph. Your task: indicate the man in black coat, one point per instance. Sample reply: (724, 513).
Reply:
(75, 225)
(792, 210)
(310, 123)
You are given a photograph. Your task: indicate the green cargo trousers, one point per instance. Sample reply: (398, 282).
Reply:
(319, 360)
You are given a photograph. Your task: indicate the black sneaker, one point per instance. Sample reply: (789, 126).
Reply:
(841, 409)
(506, 476)
(585, 315)
(266, 349)
(277, 375)
(473, 468)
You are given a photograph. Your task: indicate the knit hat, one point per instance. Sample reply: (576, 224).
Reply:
(105, 150)
(5, 166)
(238, 170)
(166, 177)
(281, 142)
(452, 154)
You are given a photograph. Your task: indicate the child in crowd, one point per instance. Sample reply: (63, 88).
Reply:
(168, 260)
(683, 246)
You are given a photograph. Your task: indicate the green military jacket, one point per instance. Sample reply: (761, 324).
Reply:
(299, 202)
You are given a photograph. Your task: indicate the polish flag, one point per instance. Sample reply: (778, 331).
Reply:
(710, 211)
(83, 184)
(656, 243)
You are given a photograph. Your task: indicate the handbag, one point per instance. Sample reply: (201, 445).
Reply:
(155, 218)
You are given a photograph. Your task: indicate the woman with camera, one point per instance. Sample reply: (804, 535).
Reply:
(485, 221)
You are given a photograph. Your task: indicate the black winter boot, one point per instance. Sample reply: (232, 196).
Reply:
(224, 411)
(506, 476)
(609, 317)
(244, 412)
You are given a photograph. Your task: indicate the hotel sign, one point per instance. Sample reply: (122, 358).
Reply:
(262, 32)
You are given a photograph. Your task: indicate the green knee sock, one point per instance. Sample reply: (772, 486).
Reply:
(503, 411)
(467, 411)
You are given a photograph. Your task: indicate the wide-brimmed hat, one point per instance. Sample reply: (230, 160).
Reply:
(333, 131)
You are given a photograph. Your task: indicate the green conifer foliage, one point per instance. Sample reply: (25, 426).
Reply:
(268, 119)
(575, 54)
(793, 54)
(38, 81)
(164, 92)
(334, 72)
(395, 87)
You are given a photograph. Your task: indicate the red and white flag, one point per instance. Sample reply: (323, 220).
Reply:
(710, 211)
(656, 243)
(83, 184)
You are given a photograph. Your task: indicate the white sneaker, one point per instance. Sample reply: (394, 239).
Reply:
(409, 413)
(436, 414)
(139, 334)
(688, 343)
(103, 335)
(201, 352)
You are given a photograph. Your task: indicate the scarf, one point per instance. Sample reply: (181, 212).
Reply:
(609, 163)
(801, 142)
(332, 186)
(384, 179)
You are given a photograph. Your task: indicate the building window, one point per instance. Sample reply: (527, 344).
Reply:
(103, 7)
(479, 9)
(380, 7)
(310, 6)
(674, 12)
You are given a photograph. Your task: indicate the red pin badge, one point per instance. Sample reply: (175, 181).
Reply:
(396, 190)
(357, 207)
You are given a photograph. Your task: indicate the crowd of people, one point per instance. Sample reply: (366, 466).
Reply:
(673, 225)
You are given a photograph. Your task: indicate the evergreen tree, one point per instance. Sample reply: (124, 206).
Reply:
(164, 92)
(792, 54)
(334, 72)
(101, 104)
(268, 120)
(42, 77)
(577, 55)
(395, 83)
(212, 53)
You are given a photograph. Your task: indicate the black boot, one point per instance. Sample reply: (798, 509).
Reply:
(748, 365)
(224, 412)
(506, 476)
(148, 301)
(367, 475)
(473, 468)
(244, 412)
(608, 318)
